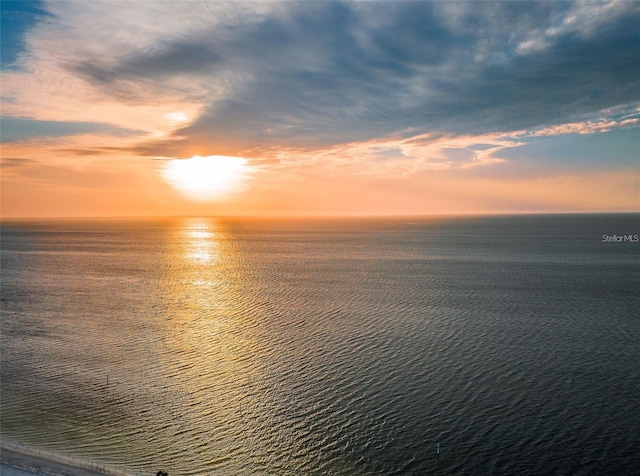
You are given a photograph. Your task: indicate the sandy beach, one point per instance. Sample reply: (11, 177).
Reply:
(18, 460)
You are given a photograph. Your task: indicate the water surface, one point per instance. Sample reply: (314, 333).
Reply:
(219, 346)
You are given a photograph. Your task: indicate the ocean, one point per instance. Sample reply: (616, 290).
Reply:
(325, 346)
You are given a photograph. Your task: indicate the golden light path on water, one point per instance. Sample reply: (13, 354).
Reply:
(211, 347)
(225, 364)
(204, 333)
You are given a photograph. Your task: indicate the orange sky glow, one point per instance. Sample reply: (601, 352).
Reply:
(103, 111)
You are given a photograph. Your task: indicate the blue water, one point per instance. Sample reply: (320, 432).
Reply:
(352, 346)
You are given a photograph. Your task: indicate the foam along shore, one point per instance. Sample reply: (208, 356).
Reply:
(20, 460)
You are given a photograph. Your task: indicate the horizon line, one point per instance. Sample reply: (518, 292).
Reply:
(319, 216)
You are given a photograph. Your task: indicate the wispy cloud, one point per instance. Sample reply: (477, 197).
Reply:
(13, 129)
(585, 127)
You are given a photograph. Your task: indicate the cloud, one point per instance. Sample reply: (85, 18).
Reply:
(15, 162)
(13, 129)
(586, 127)
(324, 73)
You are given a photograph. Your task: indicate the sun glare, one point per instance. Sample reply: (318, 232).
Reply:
(176, 117)
(207, 178)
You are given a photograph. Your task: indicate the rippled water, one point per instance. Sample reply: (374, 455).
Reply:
(287, 347)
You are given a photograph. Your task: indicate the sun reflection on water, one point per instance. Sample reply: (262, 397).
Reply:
(202, 242)
(211, 344)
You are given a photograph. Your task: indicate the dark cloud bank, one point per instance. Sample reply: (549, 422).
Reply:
(319, 73)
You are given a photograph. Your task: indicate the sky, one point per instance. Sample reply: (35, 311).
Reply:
(319, 108)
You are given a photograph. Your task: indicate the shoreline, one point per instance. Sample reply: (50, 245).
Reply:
(20, 460)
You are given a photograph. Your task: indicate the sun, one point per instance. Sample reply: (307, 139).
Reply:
(207, 178)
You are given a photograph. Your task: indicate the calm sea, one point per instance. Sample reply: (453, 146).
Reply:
(336, 347)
